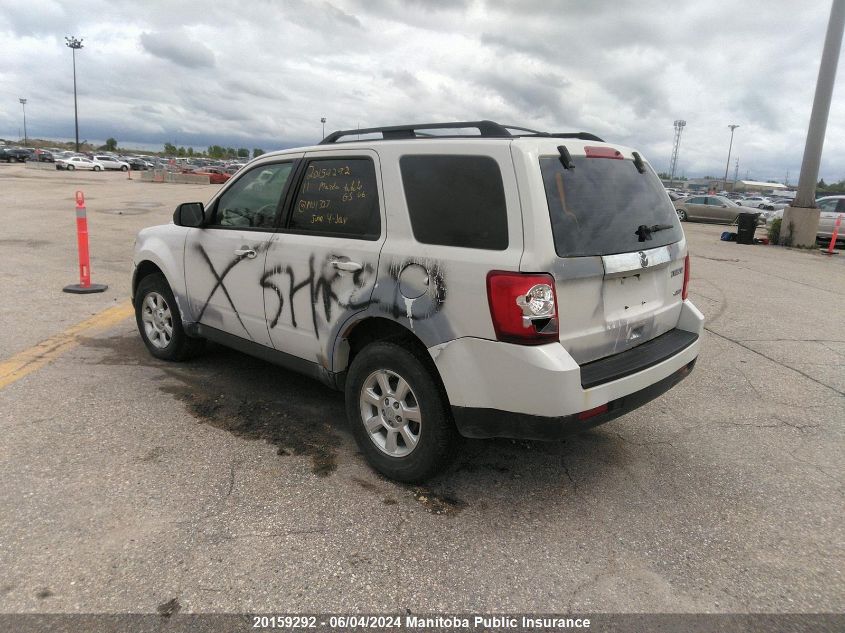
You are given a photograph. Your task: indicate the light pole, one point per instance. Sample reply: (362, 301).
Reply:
(23, 105)
(676, 145)
(323, 121)
(74, 45)
(728, 164)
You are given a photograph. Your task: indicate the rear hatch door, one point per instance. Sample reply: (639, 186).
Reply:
(620, 250)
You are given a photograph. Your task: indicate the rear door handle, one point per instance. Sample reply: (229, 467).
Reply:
(350, 267)
(249, 253)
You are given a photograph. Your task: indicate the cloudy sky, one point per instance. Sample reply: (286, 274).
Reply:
(261, 73)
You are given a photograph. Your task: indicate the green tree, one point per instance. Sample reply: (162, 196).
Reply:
(169, 149)
(181, 152)
(231, 152)
(111, 144)
(821, 184)
(243, 152)
(190, 151)
(256, 152)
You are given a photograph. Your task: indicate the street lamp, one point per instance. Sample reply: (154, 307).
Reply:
(23, 105)
(74, 44)
(730, 147)
(323, 121)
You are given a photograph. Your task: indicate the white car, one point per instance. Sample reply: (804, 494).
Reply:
(110, 162)
(78, 162)
(505, 284)
(759, 202)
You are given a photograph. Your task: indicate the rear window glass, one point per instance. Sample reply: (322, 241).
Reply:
(597, 207)
(456, 200)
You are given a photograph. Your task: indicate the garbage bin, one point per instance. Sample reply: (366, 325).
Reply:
(746, 226)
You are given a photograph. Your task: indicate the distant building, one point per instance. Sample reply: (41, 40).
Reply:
(757, 186)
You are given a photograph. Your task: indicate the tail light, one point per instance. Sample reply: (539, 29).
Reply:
(523, 307)
(685, 291)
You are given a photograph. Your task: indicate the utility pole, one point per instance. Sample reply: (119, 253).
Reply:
(801, 218)
(23, 105)
(736, 171)
(676, 145)
(730, 147)
(74, 45)
(323, 121)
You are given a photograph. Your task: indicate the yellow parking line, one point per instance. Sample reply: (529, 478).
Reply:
(34, 358)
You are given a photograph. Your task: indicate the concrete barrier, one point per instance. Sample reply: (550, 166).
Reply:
(161, 175)
(31, 164)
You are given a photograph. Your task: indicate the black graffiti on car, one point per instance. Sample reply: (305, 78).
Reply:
(321, 290)
(323, 294)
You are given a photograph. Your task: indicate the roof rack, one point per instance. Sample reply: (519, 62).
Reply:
(486, 129)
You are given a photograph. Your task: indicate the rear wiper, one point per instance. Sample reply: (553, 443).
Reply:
(644, 231)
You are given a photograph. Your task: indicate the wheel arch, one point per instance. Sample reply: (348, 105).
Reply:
(370, 329)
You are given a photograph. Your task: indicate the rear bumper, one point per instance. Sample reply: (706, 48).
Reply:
(487, 423)
(502, 390)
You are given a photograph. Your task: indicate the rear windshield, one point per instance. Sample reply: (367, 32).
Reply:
(598, 206)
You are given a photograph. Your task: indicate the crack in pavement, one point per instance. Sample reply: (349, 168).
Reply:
(776, 362)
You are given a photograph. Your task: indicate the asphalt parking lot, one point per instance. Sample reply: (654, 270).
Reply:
(230, 485)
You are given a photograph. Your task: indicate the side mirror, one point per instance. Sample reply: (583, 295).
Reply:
(190, 214)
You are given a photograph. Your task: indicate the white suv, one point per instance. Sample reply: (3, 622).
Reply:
(506, 284)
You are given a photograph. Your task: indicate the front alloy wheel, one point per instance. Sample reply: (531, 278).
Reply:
(390, 413)
(157, 320)
(682, 215)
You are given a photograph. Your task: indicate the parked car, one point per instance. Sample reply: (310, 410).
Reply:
(494, 285)
(6, 155)
(216, 176)
(829, 208)
(713, 209)
(110, 162)
(759, 202)
(44, 156)
(78, 162)
(19, 154)
(137, 164)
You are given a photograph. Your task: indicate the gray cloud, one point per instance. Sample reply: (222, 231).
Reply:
(266, 73)
(175, 47)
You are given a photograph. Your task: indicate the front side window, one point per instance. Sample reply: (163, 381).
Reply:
(338, 196)
(456, 200)
(253, 200)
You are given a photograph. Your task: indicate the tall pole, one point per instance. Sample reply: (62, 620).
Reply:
(806, 196)
(676, 145)
(323, 121)
(730, 147)
(801, 218)
(23, 105)
(74, 44)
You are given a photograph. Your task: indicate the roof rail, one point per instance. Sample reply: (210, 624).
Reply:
(486, 129)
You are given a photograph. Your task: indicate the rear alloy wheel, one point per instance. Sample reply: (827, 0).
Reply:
(97, 168)
(70, 167)
(399, 413)
(124, 168)
(682, 215)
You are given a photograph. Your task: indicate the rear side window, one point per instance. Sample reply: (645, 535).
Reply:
(598, 206)
(338, 196)
(456, 200)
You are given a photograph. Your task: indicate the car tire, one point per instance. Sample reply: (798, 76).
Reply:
(160, 323)
(393, 395)
(682, 215)
(97, 168)
(70, 167)
(124, 168)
